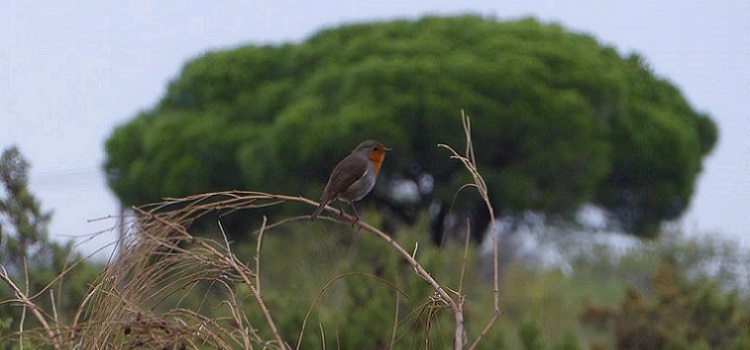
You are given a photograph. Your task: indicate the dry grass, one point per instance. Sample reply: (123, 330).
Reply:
(142, 296)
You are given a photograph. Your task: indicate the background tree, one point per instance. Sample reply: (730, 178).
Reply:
(23, 224)
(559, 119)
(28, 254)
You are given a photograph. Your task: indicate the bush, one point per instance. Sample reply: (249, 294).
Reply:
(675, 312)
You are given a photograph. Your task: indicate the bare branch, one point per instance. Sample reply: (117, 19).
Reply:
(27, 303)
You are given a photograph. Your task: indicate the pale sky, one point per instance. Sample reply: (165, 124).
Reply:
(70, 72)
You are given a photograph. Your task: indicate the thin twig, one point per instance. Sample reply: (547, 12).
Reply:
(85, 301)
(54, 307)
(395, 323)
(325, 288)
(469, 162)
(322, 335)
(465, 261)
(231, 260)
(257, 252)
(24, 300)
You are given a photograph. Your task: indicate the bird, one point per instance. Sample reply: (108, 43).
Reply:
(354, 176)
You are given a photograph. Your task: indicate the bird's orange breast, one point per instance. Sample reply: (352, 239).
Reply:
(377, 159)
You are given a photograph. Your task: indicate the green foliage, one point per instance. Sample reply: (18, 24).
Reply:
(680, 314)
(672, 302)
(33, 262)
(23, 225)
(568, 342)
(358, 293)
(662, 136)
(356, 288)
(530, 336)
(559, 120)
(6, 323)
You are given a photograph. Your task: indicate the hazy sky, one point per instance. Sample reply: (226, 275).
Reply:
(70, 72)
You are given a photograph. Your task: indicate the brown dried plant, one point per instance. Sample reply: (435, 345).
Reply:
(140, 299)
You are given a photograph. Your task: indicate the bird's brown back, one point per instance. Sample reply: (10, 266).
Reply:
(347, 172)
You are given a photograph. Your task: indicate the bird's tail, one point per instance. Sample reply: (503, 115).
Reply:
(323, 203)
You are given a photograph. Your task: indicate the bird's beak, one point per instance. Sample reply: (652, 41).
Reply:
(388, 150)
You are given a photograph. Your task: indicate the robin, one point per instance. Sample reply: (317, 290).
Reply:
(354, 176)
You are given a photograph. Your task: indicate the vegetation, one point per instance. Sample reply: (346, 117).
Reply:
(30, 260)
(651, 297)
(339, 286)
(23, 225)
(560, 119)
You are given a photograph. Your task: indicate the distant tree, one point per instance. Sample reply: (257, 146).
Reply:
(23, 224)
(28, 254)
(559, 120)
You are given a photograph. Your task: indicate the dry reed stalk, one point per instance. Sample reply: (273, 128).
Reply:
(27, 304)
(157, 267)
(470, 163)
(137, 300)
(153, 262)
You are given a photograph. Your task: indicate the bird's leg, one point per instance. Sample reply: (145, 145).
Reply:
(356, 214)
(341, 213)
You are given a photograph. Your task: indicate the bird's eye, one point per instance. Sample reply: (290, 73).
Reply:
(375, 148)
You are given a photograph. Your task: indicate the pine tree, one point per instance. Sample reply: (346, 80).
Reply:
(23, 224)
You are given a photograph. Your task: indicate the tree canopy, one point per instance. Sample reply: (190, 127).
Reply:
(30, 259)
(23, 224)
(559, 120)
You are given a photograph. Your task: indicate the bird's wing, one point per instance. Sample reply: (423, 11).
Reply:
(348, 171)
